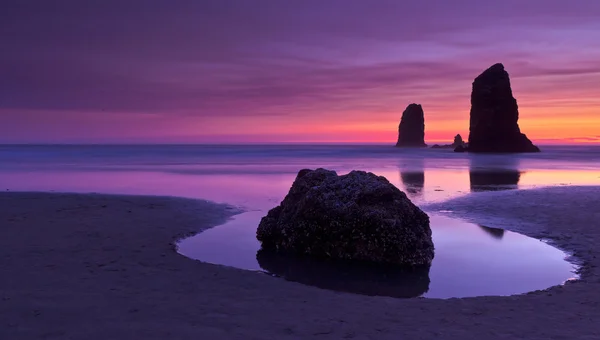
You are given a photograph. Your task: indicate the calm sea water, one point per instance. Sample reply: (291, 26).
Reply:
(256, 176)
(470, 260)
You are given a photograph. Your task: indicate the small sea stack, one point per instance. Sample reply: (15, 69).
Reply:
(358, 217)
(411, 131)
(494, 116)
(458, 143)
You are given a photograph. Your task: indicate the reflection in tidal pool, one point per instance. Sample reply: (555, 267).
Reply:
(492, 180)
(494, 232)
(346, 276)
(470, 260)
(413, 182)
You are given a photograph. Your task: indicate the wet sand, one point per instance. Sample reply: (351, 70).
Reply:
(105, 267)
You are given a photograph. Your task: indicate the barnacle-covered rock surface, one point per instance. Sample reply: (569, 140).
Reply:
(358, 216)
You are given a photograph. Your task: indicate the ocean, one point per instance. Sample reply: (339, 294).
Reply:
(258, 176)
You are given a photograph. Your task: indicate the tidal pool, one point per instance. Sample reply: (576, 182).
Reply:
(470, 260)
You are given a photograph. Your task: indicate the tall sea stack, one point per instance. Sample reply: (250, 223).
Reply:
(494, 115)
(411, 131)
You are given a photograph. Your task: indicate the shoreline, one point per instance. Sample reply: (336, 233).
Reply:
(520, 228)
(520, 220)
(101, 266)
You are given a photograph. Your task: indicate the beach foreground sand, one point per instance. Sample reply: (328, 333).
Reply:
(104, 267)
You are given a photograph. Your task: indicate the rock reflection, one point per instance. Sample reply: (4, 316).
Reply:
(494, 174)
(492, 180)
(496, 233)
(414, 179)
(366, 279)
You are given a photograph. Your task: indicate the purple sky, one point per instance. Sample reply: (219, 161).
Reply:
(273, 70)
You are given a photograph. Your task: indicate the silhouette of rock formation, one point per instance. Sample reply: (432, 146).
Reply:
(359, 216)
(347, 276)
(494, 115)
(458, 142)
(461, 148)
(411, 131)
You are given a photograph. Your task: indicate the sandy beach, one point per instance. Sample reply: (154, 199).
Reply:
(79, 266)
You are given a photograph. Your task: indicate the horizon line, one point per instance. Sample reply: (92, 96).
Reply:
(429, 143)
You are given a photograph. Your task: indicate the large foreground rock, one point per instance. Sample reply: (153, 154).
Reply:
(411, 131)
(358, 216)
(494, 115)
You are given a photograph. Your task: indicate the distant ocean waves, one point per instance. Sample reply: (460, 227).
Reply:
(276, 158)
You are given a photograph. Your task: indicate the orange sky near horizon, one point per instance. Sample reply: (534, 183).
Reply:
(548, 114)
(545, 124)
(564, 124)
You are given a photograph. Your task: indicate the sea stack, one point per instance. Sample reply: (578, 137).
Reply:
(411, 131)
(494, 116)
(458, 141)
(456, 145)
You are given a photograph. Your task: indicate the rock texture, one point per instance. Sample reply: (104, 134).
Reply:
(358, 216)
(411, 131)
(494, 115)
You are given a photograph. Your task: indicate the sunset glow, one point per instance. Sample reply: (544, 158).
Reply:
(297, 71)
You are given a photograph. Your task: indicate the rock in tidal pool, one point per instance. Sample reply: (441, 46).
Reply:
(359, 216)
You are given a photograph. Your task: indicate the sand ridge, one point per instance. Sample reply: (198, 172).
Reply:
(78, 266)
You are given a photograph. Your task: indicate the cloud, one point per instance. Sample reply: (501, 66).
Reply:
(308, 58)
(247, 89)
